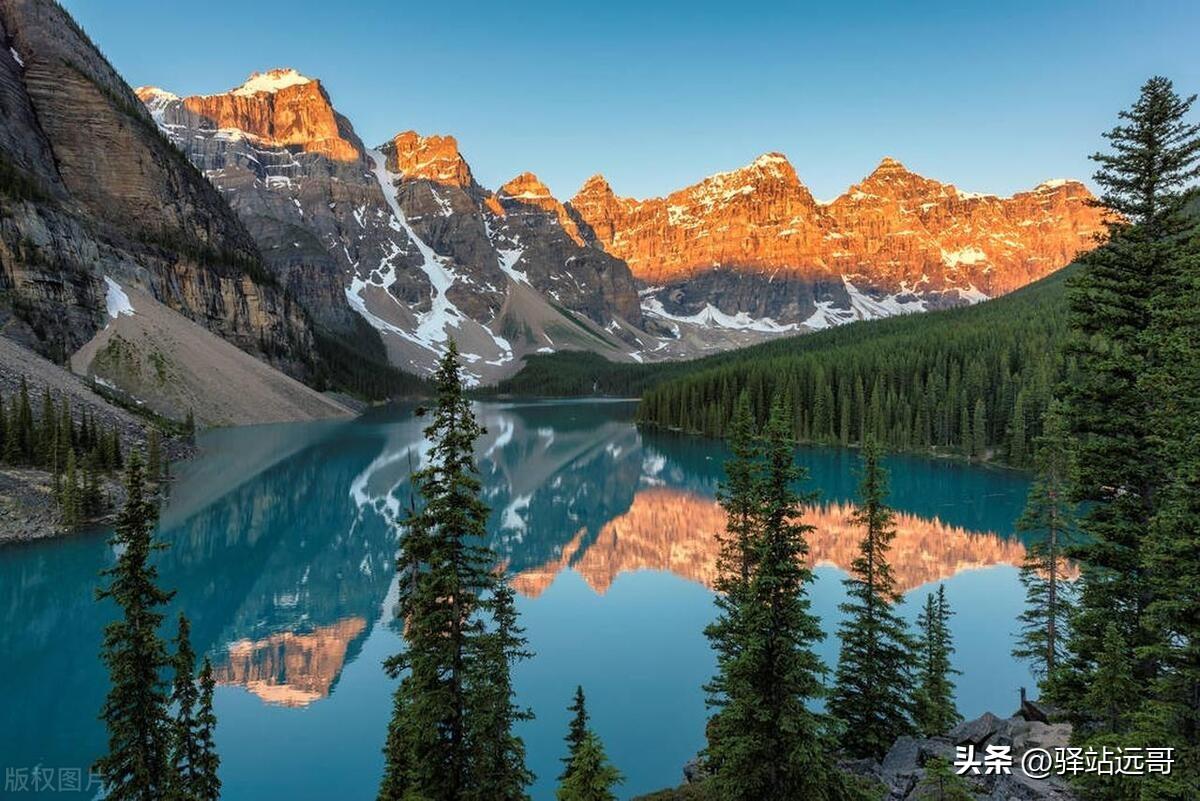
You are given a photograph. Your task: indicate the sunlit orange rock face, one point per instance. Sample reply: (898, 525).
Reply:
(291, 669)
(901, 230)
(280, 107)
(667, 529)
(431, 158)
(528, 190)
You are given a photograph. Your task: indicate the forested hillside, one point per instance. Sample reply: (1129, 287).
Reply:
(973, 380)
(970, 380)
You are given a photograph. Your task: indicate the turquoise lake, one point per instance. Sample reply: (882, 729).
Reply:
(282, 540)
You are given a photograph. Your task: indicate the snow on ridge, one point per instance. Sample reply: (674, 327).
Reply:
(710, 315)
(431, 325)
(270, 81)
(967, 255)
(508, 259)
(116, 300)
(16, 56)
(1053, 183)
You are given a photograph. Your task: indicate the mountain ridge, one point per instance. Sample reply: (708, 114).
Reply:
(420, 251)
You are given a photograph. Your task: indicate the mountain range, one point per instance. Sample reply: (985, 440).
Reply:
(259, 215)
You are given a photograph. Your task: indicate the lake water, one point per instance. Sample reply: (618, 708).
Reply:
(282, 542)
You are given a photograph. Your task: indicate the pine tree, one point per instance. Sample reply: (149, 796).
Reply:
(935, 711)
(979, 430)
(1049, 518)
(1121, 471)
(66, 432)
(185, 742)
(12, 433)
(47, 431)
(941, 783)
(153, 455)
(207, 786)
(497, 754)
(591, 777)
(737, 552)
(873, 688)
(445, 587)
(136, 767)
(771, 746)
(91, 499)
(24, 426)
(1017, 435)
(1109, 694)
(69, 495)
(576, 731)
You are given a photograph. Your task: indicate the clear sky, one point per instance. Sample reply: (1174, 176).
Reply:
(991, 96)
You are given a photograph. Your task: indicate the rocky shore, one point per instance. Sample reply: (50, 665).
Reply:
(899, 773)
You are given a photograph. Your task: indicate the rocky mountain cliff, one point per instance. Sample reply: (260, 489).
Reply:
(400, 241)
(753, 248)
(89, 189)
(406, 240)
(302, 234)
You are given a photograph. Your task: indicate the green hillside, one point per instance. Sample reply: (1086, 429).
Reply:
(973, 380)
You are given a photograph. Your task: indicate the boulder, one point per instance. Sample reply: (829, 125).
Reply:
(903, 758)
(978, 731)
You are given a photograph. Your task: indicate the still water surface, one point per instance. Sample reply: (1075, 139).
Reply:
(282, 541)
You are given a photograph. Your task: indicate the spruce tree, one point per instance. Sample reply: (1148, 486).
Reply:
(185, 742)
(872, 694)
(979, 430)
(771, 746)
(591, 777)
(446, 588)
(1018, 438)
(737, 553)
(137, 765)
(154, 455)
(935, 712)
(25, 416)
(1171, 548)
(576, 731)
(207, 785)
(1155, 155)
(12, 433)
(497, 754)
(1049, 522)
(47, 430)
(941, 783)
(69, 496)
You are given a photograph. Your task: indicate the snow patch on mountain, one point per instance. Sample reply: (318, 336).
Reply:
(508, 258)
(967, 255)
(270, 81)
(116, 300)
(431, 327)
(711, 316)
(870, 308)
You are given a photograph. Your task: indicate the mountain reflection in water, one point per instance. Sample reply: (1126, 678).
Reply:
(282, 553)
(667, 529)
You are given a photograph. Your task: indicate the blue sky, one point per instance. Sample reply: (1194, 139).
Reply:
(991, 96)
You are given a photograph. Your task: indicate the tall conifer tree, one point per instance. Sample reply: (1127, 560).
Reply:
(872, 695)
(1121, 471)
(207, 785)
(447, 587)
(137, 765)
(771, 746)
(576, 731)
(935, 710)
(186, 755)
(1049, 519)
